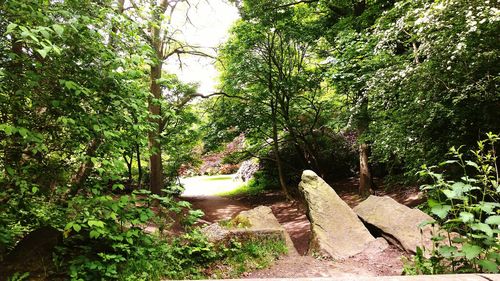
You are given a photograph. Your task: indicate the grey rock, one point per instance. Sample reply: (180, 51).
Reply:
(215, 233)
(399, 224)
(336, 230)
(262, 218)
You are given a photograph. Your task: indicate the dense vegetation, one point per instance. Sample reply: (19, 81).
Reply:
(405, 80)
(89, 119)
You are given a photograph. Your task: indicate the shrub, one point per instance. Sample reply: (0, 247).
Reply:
(104, 236)
(467, 210)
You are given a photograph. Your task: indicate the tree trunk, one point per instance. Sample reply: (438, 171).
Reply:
(276, 150)
(365, 177)
(129, 165)
(359, 8)
(139, 167)
(83, 172)
(155, 163)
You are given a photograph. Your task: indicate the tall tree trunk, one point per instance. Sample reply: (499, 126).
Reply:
(155, 163)
(365, 177)
(139, 167)
(359, 7)
(276, 150)
(129, 165)
(83, 171)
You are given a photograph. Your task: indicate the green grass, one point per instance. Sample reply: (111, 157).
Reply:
(247, 256)
(245, 189)
(218, 178)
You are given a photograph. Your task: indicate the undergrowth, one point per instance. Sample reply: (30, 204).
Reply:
(467, 210)
(241, 257)
(104, 239)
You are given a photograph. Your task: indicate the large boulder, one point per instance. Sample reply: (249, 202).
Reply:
(336, 230)
(215, 233)
(34, 254)
(247, 170)
(398, 223)
(257, 223)
(262, 218)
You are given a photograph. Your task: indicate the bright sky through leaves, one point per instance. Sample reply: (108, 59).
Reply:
(210, 22)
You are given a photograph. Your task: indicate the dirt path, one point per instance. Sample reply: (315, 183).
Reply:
(292, 217)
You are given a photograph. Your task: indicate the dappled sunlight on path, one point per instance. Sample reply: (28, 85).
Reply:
(209, 185)
(202, 193)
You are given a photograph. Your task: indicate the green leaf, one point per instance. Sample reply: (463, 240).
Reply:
(488, 266)
(59, 29)
(10, 27)
(447, 251)
(118, 186)
(43, 52)
(466, 217)
(441, 210)
(450, 194)
(472, 164)
(113, 215)
(94, 234)
(97, 223)
(144, 217)
(23, 132)
(77, 227)
(68, 226)
(432, 202)
(471, 251)
(488, 207)
(8, 129)
(493, 220)
(10, 171)
(458, 240)
(483, 227)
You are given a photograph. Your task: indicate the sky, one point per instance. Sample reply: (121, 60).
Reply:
(209, 26)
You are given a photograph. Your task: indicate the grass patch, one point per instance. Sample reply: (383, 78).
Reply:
(256, 185)
(245, 189)
(237, 222)
(218, 178)
(248, 256)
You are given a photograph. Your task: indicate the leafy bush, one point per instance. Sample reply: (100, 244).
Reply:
(105, 237)
(468, 211)
(23, 209)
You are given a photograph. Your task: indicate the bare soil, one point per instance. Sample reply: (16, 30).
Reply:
(292, 216)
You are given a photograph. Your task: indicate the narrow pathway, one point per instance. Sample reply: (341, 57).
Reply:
(201, 192)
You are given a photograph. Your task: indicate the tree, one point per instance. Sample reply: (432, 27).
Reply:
(267, 64)
(156, 16)
(57, 114)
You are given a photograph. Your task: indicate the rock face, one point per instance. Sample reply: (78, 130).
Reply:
(247, 170)
(215, 233)
(336, 230)
(259, 222)
(262, 218)
(33, 253)
(398, 223)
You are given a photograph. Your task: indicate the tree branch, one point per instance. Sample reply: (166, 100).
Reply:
(296, 3)
(190, 97)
